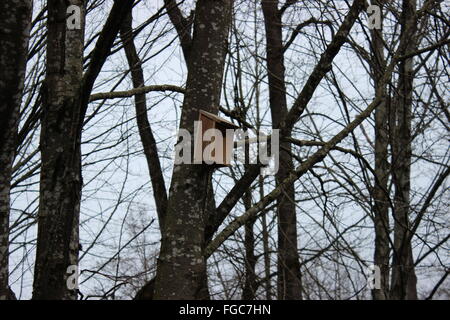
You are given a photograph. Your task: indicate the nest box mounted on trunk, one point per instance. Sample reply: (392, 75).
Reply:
(213, 147)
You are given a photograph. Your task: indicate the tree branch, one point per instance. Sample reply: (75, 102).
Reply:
(321, 68)
(181, 24)
(285, 6)
(305, 166)
(102, 50)
(145, 130)
(300, 27)
(134, 92)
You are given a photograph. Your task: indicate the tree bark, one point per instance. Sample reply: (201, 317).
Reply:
(266, 245)
(289, 277)
(380, 190)
(250, 285)
(404, 280)
(181, 266)
(15, 24)
(65, 97)
(60, 181)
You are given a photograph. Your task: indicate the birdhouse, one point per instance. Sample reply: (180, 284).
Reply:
(213, 147)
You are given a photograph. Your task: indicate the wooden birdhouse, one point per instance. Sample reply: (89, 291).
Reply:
(213, 147)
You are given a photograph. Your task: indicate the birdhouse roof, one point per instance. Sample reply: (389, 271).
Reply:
(218, 119)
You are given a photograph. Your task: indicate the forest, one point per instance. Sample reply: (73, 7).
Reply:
(224, 150)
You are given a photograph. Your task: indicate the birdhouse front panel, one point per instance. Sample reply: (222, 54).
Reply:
(210, 148)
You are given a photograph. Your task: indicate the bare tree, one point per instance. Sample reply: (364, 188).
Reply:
(182, 267)
(65, 95)
(380, 192)
(403, 275)
(15, 24)
(289, 277)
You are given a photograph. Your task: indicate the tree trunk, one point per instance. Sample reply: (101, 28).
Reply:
(250, 285)
(181, 266)
(403, 281)
(289, 277)
(266, 245)
(60, 181)
(65, 96)
(380, 189)
(15, 23)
